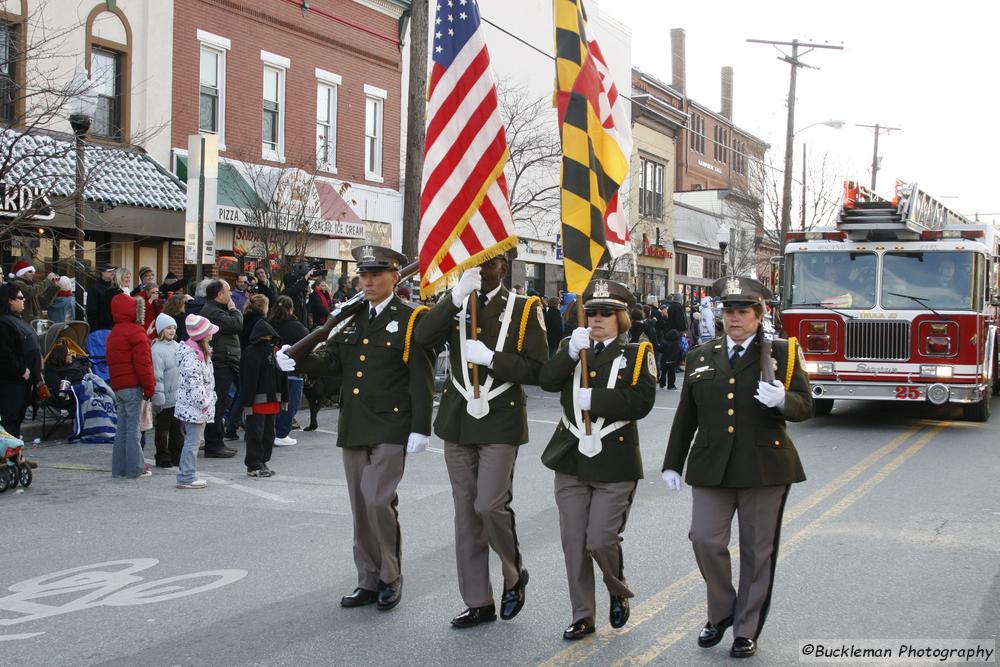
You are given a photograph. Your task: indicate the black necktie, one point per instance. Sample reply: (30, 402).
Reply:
(598, 348)
(482, 300)
(372, 313)
(735, 354)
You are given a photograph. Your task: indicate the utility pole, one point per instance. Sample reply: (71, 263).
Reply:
(415, 130)
(795, 63)
(879, 129)
(803, 186)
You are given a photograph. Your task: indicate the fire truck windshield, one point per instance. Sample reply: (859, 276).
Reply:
(942, 280)
(831, 279)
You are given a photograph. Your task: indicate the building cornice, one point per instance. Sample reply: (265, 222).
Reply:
(393, 8)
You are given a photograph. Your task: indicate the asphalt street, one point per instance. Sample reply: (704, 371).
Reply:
(896, 534)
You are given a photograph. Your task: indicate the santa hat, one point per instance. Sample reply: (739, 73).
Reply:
(21, 269)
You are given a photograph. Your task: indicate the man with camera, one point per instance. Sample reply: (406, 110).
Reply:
(297, 287)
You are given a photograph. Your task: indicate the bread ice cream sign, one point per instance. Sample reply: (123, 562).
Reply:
(24, 201)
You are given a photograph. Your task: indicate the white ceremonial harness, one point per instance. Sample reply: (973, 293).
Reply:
(590, 445)
(480, 407)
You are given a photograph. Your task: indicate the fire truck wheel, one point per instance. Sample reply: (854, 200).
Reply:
(823, 406)
(978, 412)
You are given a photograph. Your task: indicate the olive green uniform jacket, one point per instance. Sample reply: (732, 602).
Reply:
(738, 442)
(37, 297)
(619, 459)
(507, 421)
(383, 397)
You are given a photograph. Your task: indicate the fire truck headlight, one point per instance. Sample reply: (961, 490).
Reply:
(936, 371)
(821, 368)
(812, 367)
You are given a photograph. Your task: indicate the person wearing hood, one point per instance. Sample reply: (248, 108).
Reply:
(38, 292)
(706, 325)
(262, 394)
(130, 367)
(167, 436)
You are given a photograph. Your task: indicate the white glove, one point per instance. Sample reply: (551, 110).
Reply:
(477, 353)
(672, 479)
(417, 443)
(772, 395)
(470, 281)
(583, 398)
(578, 340)
(285, 362)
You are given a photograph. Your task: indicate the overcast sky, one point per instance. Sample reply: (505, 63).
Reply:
(931, 72)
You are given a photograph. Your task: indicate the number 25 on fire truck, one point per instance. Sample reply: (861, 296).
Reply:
(898, 302)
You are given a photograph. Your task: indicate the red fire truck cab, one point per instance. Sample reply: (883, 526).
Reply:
(898, 302)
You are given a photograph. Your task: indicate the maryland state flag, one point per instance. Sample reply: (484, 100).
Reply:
(595, 161)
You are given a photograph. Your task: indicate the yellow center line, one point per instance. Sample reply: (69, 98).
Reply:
(683, 628)
(658, 602)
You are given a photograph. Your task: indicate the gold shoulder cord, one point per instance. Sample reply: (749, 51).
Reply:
(528, 305)
(638, 360)
(409, 332)
(791, 362)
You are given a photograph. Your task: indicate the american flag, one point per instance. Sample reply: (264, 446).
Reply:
(464, 204)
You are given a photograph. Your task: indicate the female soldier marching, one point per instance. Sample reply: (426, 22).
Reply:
(597, 474)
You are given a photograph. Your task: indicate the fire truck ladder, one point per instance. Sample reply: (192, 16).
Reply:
(866, 216)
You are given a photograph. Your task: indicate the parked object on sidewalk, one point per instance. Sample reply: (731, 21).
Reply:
(14, 470)
(96, 347)
(95, 415)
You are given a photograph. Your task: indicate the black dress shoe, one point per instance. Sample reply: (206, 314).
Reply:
(579, 629)
(742, 648)
(359, 598)
(390, 594)
(224, 453)
(712, 633)
(513, 599)
(619, 611)
(474, 616)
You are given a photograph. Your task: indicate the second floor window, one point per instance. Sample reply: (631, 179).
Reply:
(651, 189)
(211, 88)
(326, 127)
(373, 138)
(8, 71)
(273, 112)
(696, 132)
(105, 72)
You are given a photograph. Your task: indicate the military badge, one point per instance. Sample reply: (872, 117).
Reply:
(733, 286)
(392, 327)
(541, 320)
(601, 290)
(368, 254)
(651, 364)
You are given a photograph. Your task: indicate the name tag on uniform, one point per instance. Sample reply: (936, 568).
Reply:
(392, 327)
(700, 369)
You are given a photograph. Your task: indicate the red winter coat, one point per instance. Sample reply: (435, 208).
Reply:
(130, 363)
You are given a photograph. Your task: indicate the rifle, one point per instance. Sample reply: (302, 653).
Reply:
(347, 309)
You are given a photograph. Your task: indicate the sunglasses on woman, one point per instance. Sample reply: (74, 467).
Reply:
(602, 313)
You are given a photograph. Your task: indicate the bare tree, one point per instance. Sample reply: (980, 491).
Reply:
(535, 156)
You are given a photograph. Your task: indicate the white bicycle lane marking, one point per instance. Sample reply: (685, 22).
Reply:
(107, 584)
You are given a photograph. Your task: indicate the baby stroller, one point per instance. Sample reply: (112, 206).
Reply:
(14, 469)
(59, 376)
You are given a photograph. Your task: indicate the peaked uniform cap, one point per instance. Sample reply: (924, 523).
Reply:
(604, 293)
(737, 291)
(375, 258)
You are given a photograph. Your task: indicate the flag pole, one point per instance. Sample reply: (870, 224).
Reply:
(581, 318)
(474, 334)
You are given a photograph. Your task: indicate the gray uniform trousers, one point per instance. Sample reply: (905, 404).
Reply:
(760, 509)
(373, 473)
(481, 486)
(592, 516)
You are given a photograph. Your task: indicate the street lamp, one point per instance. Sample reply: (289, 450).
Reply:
(82, 105)
(835, 124)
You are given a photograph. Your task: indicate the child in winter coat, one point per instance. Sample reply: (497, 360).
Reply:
(63, 307)
(672, 355)
(130, 368)
(168, 436)
(263, 391)
(195, 405)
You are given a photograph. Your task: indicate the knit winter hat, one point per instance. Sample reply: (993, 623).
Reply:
(21, 269)
(163, 321)
(143, 271)
(199, 327)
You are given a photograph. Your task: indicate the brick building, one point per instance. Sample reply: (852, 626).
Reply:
(297, 92)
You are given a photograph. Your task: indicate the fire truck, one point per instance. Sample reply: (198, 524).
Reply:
(897, 302)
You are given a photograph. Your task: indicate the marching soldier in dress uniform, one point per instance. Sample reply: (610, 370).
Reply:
(385, 412)
(597, 475)
(481, 436)
(742, 459)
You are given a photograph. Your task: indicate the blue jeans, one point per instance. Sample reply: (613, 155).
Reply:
(283, 424)
(187, 471)
(126, 455)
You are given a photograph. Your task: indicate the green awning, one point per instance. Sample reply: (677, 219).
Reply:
(234, 191)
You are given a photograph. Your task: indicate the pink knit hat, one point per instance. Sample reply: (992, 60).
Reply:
(199, 327)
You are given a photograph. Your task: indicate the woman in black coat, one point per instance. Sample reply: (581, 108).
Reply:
(290, 331)
(20, 360)
(257, 308)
